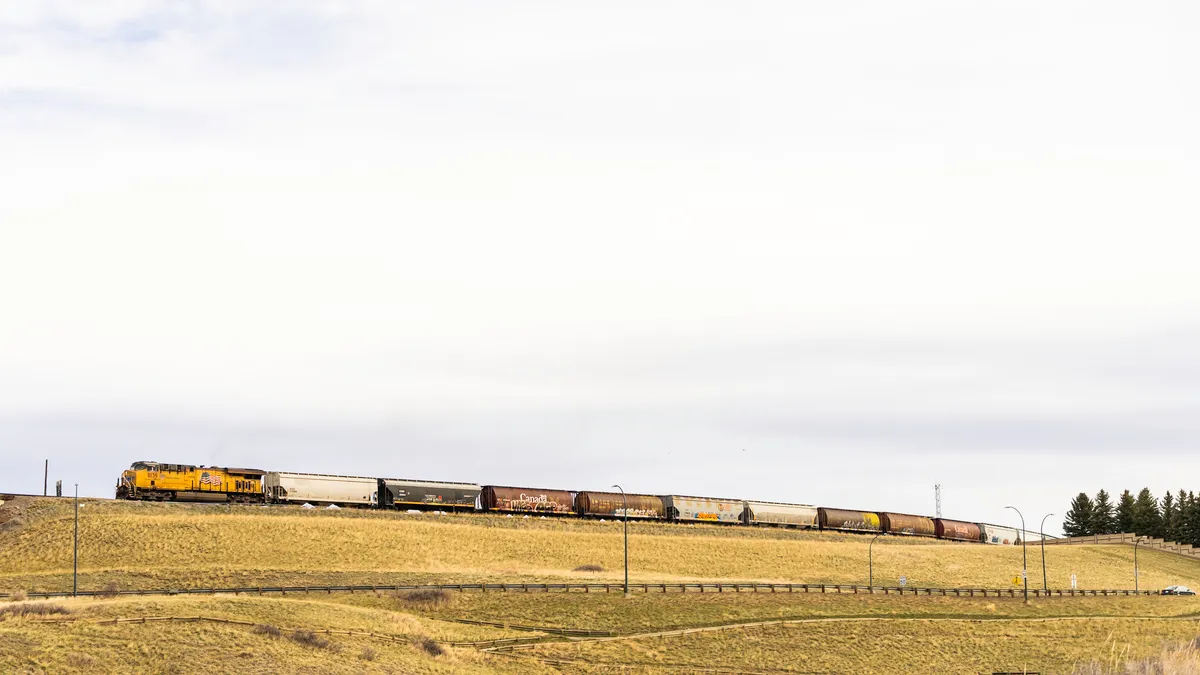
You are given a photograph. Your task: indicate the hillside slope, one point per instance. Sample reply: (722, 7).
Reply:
(133, 545)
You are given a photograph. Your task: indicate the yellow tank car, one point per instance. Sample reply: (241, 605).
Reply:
(187, 483)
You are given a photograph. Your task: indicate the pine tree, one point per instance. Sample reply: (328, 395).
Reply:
(1147, 521)
(1125, 513)
(1079, 517)
(1183, 518)
(1194, 518)
(1104, 519)
(1169, 517)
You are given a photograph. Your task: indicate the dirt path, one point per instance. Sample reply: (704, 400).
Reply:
(877, 619)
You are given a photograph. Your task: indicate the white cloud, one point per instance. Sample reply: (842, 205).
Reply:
(350, 213)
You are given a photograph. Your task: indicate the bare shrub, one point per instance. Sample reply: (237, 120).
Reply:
(424, 597)
(110, 591)
(591, 567)
(311, 639)
(268, 630)
(1182, 660)
(81, 661)
(367, 654)
(431, 647)
(18, 596)
(20, 610)
(12, 524)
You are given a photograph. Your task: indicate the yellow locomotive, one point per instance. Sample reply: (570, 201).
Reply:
(153, 481)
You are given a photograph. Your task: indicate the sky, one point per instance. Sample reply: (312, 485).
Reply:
(826, 252)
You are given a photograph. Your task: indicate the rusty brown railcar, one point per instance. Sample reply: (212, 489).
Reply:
(854, 521)
(525, 500)
(611, 504)
(957, 530)
(903, 523)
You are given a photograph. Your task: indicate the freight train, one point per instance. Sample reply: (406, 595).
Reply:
(184, 482)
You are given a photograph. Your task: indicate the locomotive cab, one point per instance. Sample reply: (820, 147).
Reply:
(184, 482)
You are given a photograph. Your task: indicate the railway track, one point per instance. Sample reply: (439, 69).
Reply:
(5, 496)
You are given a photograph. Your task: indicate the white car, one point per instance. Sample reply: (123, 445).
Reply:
(1178, 590)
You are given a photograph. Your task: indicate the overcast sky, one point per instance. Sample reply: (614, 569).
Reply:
(822, 252)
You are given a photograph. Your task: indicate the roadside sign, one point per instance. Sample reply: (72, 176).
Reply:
(903, 581)
(1016, 581)
(1023, 574)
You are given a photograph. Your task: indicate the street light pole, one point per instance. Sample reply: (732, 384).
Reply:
(871, 561)
(1042, 532)
(625, 508)
(1136, 541)
(1024, 558)
(75, 571)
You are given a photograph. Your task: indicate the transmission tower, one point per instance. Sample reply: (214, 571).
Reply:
(937, 499)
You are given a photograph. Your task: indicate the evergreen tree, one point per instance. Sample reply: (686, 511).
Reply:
(1193, 519)
(1147, 521)
(1078, 522)
(1125, 513)
(1104, 519)
(1183, 518)
(1169, 517)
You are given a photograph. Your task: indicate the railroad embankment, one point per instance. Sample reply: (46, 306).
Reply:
(125, 546)
(144, 545)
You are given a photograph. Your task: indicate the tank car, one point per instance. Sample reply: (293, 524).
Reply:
(614, 504)
(998, 534)
(776, 513)
(957, 530)
(396, 493)
(320, 488)
(526, 500)
(847, 520)
(906, 524)
(703, 509)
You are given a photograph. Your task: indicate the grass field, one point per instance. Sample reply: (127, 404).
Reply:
(839, 634)
(166, 545)
(157, 545)
(889, 646)
(27, 645)
(655, 612)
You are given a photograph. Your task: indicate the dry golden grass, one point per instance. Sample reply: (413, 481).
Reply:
(159, 545)
(167, 545)
(656, 611)
(31, 646)
(902, 646)
(1179, 660)
(902, 635)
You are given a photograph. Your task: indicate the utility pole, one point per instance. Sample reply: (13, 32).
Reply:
(1042, 532)
(871, 561)
(75, 573)
(625, 508)
(46, 480)
(1024, 559)
(937, 499)
(1136, 587)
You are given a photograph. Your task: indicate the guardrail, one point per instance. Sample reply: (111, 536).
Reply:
(609, 588)
(1129, 538)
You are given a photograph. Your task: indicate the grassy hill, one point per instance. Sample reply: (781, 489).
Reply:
(155, 545)
(129, 545)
